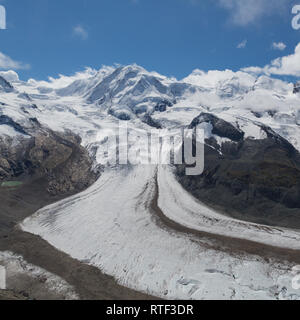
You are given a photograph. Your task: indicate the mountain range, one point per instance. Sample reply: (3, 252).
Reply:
(53, 132)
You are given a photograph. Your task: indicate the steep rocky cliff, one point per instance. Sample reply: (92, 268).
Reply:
(57, 157)
(252, 179)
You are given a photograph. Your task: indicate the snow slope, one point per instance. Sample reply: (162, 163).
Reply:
(81, 101)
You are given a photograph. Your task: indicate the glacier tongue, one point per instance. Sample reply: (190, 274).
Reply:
(113, 225)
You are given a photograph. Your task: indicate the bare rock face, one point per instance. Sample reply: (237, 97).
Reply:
(151, 122)
(9, 295)
(296, 88)
(57, 157)
(254, 180)
(5, 85)
(219, 127)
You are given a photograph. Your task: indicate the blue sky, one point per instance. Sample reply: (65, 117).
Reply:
(173, 37)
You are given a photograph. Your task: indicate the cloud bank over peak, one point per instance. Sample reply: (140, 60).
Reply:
(62, 80)
(248, 77)
(211, 78)
(284, 66)
(10, 75)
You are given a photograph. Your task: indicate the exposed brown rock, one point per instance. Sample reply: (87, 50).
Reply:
(58, 157)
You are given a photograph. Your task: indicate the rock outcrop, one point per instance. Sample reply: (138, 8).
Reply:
(5, 85)
(57, 157)
(296, 88)
(250, 179)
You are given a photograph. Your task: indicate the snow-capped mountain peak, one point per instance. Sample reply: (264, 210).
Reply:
(131, 92)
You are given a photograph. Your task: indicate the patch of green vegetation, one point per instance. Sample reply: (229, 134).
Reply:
(11, 184)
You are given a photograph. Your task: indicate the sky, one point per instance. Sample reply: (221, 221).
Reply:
(173, 37)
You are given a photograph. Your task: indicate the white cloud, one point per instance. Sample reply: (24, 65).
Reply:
(284, 66)
(211, 78)
(248, 77)
(245, 12)
(80, 32)
(8, 63)
(278, 46)
(242, 45)
(10, 75)
(253, 70)
(288, 65)
(63, 81)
